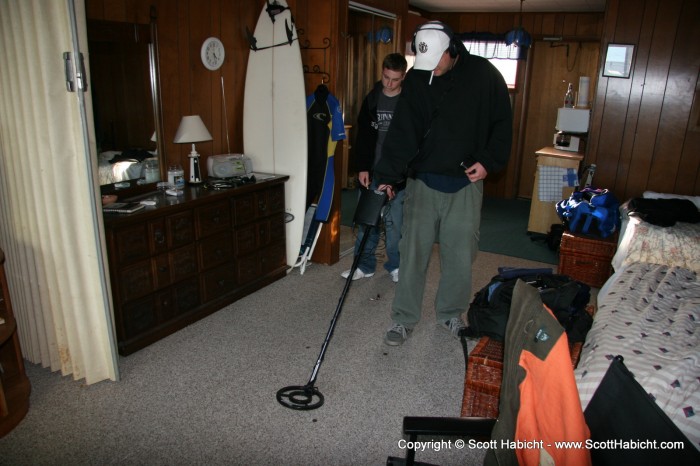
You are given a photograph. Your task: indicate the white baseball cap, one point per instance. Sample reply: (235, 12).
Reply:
(430, 44)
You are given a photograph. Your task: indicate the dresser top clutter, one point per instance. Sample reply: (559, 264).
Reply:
(191, 195)
(187, 256)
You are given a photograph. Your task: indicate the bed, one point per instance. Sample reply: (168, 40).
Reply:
(648, 312)
(114, 167)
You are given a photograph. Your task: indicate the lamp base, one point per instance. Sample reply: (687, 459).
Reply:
(195, 174)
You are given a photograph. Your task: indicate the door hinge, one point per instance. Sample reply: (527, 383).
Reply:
(75, 75)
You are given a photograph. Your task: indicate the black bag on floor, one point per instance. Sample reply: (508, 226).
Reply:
(488, 312)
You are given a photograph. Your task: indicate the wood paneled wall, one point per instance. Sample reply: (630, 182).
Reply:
(645, 133)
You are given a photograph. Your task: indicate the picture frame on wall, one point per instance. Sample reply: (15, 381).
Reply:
(618, 60)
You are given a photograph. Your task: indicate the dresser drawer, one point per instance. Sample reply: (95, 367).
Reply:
(219, 281)
(273, 257)
(131, 244)
(180, 229)
(216, 250)
(136, 280)
(174, 266)
(138, 317)
(246, 239)
(258, 205)
(185, 296)
(260, 234)
(212, 219)
(267, 259)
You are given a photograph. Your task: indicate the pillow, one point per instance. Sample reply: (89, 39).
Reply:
(677, 246)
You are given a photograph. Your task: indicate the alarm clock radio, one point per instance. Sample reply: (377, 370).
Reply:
(229, 165)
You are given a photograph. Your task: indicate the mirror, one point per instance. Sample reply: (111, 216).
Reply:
(126, 103)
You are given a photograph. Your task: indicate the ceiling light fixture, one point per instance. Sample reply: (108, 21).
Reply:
(519, 36)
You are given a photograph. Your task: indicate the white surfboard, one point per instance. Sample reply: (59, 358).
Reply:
(274, 114)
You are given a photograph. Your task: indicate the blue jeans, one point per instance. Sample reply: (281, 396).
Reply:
(392, 219)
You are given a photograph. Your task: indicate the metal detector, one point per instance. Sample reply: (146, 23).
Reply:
(306, 397)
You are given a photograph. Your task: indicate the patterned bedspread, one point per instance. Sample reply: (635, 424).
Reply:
(650, 315)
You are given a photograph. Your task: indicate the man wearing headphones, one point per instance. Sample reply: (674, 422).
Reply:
(451, 128)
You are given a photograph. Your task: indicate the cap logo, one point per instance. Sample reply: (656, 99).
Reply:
(422, 47)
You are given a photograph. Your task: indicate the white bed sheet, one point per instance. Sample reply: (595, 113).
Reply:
(649, 315)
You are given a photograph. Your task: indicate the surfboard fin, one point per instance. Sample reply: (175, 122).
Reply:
(290, 32)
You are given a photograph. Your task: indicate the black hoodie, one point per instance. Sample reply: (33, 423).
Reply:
(462, 116)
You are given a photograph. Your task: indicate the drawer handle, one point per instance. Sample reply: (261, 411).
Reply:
(163, 269)
(160, 237)
(221, 283)
(216, 219)
(219, 252)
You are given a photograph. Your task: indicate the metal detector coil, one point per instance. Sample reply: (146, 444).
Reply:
(307, 397)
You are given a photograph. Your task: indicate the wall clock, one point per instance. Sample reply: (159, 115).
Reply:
(213, 53)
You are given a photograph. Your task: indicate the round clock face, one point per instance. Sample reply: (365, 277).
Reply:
(213, 53)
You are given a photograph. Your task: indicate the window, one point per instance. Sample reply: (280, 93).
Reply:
(504, 57)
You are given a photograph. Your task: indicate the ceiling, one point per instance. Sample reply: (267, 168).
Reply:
(489, 6)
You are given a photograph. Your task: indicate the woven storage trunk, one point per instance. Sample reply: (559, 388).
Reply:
(482, 382)
(586, 259)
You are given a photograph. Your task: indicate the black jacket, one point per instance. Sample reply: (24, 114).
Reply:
(367, 130)
(463, 116)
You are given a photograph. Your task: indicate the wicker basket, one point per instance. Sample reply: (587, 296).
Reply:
(601, 247)
(586, 259)
(482, 382)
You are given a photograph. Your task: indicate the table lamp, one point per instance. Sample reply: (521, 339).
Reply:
(192, 130)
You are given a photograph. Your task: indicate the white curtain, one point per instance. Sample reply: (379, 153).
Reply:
(492, 49)
(50, 224)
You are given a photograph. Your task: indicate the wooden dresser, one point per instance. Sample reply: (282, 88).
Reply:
(188, 256)
(14, 384)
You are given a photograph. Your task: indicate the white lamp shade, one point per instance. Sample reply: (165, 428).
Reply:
(153, 137)
(192, 129)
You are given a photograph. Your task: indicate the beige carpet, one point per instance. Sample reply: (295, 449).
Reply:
(206, 395)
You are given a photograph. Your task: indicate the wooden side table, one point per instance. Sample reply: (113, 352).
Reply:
(14, 384)
(543, 213)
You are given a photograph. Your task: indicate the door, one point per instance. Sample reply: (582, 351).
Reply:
(49, 208)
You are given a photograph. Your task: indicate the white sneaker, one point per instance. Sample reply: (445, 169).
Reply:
(357, 275)
(394, 275)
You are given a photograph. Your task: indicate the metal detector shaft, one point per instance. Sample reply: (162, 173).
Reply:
(339, 307)
(306, 397)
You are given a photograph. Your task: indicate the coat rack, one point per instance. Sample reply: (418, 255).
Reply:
(316, 69)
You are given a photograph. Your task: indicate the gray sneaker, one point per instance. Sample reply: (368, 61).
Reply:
(454, 326)
(396, 335)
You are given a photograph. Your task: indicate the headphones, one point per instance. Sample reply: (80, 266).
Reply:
(453, 48)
